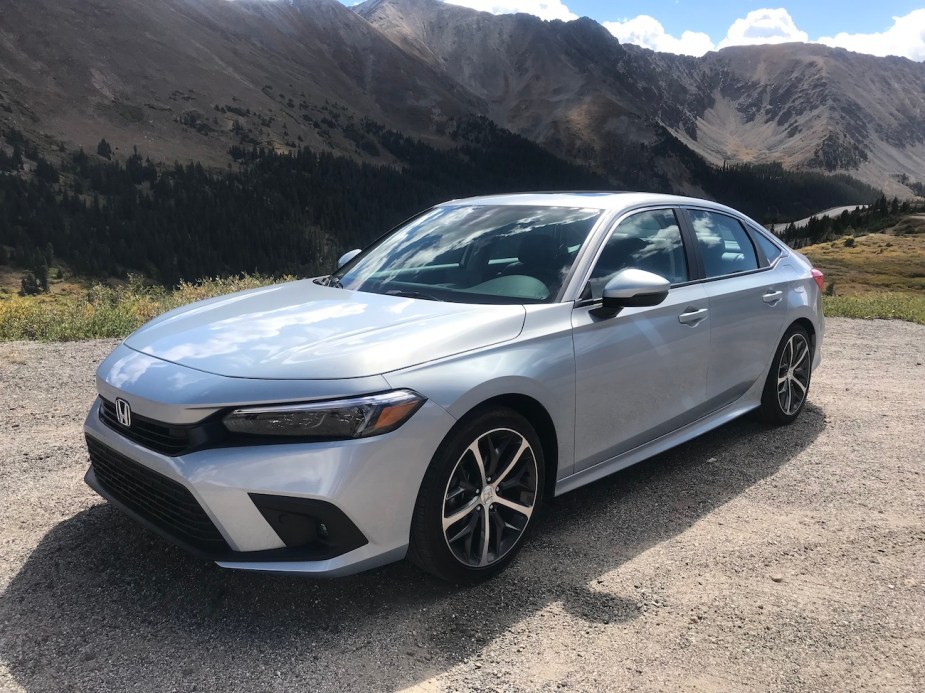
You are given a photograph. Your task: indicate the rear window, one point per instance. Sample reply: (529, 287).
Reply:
(770, 249)
(724, 244)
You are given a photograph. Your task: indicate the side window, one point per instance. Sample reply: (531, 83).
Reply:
(771, 250)
(724, 244)
(649, 241)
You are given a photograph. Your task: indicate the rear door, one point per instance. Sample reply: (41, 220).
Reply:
(641, 373)
(746, 301)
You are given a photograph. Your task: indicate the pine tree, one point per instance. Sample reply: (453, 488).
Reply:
(41, 274)
(103, 149)
(29, 286)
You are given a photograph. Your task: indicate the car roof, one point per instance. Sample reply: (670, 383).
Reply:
(589, 199)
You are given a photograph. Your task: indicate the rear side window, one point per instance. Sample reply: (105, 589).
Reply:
(724, 244)
(649, 241)
(771, 250)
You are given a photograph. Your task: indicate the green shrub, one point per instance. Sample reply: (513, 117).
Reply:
(107, 311)
(885, 305)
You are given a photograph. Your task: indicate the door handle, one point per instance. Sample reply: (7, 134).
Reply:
(772, 297)
(693, 317)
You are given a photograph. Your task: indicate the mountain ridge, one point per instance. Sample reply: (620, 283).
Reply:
(187, 79)
(805, 105)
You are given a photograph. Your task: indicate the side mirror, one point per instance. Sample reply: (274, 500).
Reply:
(348, 256)
(633, 288)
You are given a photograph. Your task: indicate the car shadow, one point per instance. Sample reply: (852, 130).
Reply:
(103, 604)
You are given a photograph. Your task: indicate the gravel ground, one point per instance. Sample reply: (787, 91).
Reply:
(750, 558)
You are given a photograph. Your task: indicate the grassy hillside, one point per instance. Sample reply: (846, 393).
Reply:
(105, 311)
(878, 275)
(875, 262)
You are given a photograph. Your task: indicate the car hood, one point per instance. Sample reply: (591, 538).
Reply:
(301, 330)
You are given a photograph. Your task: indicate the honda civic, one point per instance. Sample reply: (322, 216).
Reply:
(425, 399)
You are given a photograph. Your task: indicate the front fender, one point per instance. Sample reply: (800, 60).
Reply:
(540, 364)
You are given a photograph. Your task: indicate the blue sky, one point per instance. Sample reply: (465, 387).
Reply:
(693, 27)
(713, 17)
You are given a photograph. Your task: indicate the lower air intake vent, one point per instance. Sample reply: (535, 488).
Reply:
(163, 502)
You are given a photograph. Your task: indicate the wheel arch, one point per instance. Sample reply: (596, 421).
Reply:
(534, 412)
(807, 325)
(810, 328)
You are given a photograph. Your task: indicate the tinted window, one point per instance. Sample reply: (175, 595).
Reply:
(474, 254)
(769, 248)
(724, 244)
(649, 241)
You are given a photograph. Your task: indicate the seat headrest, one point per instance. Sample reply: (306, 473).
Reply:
(538, 250)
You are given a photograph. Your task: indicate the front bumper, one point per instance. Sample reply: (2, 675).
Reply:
(371, 482)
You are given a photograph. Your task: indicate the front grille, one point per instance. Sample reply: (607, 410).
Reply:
(154, 435)
(163, 502)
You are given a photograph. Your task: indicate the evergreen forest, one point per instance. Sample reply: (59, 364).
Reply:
(295, 212)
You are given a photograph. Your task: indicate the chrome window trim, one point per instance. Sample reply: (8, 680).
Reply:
(736, 274)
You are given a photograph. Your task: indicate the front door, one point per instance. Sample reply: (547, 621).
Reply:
(641, 373)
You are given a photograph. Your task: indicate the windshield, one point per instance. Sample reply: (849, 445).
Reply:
(474, 254)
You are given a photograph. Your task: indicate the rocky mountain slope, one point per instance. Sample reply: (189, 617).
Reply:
(186, 79)
(571, 84)
(814, 106)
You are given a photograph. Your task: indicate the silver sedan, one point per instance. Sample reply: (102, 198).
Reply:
(425, 398)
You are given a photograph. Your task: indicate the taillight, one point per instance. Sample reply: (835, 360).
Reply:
(819, 277)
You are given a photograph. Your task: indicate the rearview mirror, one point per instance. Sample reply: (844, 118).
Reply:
(633, 288)
(347, 257)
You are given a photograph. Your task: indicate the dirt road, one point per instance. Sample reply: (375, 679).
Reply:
(751, 558)
(832, 212)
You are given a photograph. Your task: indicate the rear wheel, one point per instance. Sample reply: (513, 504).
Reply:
(787, 384)
(478, 498)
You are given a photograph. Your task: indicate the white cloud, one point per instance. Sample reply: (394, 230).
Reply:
(906, 38)
(544, 9)
(648, 32)
(762, 27)
(757, 27)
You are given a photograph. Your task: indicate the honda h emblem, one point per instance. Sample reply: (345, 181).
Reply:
(123, 413)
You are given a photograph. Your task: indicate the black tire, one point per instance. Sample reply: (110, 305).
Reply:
(454, 485)
(787, 385)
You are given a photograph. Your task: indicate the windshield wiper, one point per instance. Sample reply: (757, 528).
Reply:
(329, 280)
(412, 294)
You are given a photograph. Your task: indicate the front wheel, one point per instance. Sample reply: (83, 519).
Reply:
(483, 488)
(787, 385)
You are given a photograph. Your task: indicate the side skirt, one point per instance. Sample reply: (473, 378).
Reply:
(750, 400)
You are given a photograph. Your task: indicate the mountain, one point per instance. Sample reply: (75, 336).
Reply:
(187, 79)
(570, 85)
(319, 126)
(814, 106)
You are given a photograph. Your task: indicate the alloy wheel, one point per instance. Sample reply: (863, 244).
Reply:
(793, 374)
(490, 497)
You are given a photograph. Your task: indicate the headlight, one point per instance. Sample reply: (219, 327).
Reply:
(358, 417)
